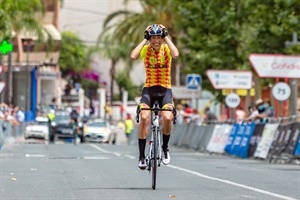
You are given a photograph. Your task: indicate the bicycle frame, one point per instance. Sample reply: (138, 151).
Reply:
(154, 154)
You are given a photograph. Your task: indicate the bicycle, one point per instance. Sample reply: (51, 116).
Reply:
(154, 153)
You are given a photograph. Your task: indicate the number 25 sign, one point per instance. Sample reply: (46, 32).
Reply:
(281, 91)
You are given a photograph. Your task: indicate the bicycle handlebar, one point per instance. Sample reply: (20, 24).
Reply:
(156, 110)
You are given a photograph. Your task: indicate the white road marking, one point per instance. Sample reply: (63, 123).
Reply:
(35, 155)
(94, 157)
(232, 183)
(99, 148)
(208, 177)
(104, 151)
(129, 156)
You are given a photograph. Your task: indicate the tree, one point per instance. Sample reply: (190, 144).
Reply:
(218, 34)
(108, 47)
(73, 53)
(16, 17)
(125, 83)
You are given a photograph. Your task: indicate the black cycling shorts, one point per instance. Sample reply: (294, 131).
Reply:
(161, 94)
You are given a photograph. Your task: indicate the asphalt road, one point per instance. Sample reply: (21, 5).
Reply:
(41, 171)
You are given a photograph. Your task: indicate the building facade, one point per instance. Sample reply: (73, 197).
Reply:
(31, 72)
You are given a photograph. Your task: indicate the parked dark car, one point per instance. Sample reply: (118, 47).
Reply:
(61, 127)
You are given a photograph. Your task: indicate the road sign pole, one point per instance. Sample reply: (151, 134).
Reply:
(232, 110)
(276, 102)
(293, 82)
(285, 102)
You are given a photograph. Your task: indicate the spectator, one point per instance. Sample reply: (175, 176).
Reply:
(128, 126)
(86, 114)
(108, 112)
(196, 117)
(92, 108)
(269, 109)
(180, 113)
(210, 116)
(53, 104)
(68, 89)
(122, 109)
(19, 114)
(188, 112)
(253, 112)
(240, 114)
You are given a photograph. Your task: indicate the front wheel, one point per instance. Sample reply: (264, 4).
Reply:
(154, 159)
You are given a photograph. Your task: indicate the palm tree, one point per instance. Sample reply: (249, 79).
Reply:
(128, 26)
(16, 17)
(109, 48)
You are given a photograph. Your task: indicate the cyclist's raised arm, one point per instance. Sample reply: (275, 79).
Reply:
(135, 53)
(173, 49)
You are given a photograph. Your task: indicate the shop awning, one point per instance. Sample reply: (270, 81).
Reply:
(53, 32)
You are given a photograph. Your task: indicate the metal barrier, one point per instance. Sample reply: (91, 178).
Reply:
(276, 140)
(9, 132)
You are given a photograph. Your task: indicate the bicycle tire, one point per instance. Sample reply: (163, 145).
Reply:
(154, 158)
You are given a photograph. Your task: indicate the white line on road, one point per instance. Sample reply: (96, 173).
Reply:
(232, 183)
(104, 151)
(211, 178)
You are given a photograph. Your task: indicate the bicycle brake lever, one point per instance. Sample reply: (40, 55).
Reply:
(137, 119)
(174, 114)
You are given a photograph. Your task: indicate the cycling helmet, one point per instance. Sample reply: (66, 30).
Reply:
(155, 29)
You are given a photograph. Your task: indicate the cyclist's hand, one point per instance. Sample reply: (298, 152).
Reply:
(164, 33)
(146, 35)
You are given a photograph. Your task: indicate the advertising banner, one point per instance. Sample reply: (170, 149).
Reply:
(255, 139)
(294, 137)
(281, 139)
(248, 131)
(219, 138)
(265, 143)
(235, 148)
(297, 140)
(229, 144)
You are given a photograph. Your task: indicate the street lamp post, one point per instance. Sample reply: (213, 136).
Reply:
(293, 82)
(27, 88)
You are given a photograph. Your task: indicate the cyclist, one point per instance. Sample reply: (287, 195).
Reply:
(157, 51)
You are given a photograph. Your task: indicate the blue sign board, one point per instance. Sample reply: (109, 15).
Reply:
(193, 81)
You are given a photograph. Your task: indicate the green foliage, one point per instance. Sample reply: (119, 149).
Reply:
(88, 84)
(18, 16)
(293, 50)
(125, 83)
(73, 53)
(217, 34)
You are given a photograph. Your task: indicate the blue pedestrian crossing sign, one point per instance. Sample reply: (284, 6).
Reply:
(193, 81)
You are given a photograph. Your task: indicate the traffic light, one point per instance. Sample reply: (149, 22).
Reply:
(5, 47)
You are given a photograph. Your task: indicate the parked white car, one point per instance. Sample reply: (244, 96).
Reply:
(99, 130)
(38, 129)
